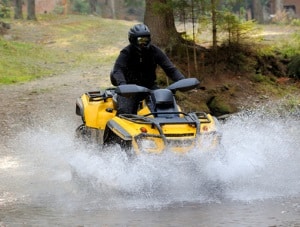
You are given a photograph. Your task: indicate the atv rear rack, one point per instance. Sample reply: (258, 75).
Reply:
(96, 96)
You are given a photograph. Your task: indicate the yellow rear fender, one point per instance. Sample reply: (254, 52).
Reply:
(95, 110)
(79, 107)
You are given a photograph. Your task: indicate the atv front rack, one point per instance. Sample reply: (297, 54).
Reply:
(189, 118)
(174, 120)
(202, 116)
(158, 122)
(177, 142)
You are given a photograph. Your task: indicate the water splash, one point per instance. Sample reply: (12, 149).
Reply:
(261, 161)
(262, 152)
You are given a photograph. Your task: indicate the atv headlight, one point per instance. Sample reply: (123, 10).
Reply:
(150, 143)
(147, 144)
(181, 143)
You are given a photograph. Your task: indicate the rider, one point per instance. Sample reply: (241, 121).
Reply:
(137, 64)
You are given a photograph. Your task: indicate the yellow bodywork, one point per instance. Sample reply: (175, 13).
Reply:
(95, 112)
(145, 136)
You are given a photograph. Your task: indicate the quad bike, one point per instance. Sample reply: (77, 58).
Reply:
(158, 126)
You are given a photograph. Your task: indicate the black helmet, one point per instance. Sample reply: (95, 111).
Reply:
(139, 35)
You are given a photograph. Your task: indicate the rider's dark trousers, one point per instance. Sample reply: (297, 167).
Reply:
(128, 105)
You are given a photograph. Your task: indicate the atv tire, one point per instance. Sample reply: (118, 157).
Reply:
(111, 139)
(83, 133)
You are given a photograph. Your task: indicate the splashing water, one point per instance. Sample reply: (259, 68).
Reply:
(261, 161)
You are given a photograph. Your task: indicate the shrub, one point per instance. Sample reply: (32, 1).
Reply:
(80, 6)
(294, 67)
(295, 22)
(4, 11)
(258, 78)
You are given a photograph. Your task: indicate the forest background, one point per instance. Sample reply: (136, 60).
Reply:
(222, 43)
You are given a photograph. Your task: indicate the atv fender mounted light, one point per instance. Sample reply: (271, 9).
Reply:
(143, 130)
(205, 128)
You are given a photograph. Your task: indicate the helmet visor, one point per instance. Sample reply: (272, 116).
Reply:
(143, 41)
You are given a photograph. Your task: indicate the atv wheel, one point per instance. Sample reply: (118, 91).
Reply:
(83, 133)
(111, 139)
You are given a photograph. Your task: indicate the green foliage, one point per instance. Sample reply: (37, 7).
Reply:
(236, 30)
(5, 2)
(134, 3)
(294, 67)
(240, 61)
(289, 47)
(4, 11)
(230, 18)
(292, 104)
(295, 22)
(235, 6)
(220, 106)
(80, 6)
(258, 78)
(162, 7)
(136, 8)
(265, 50)
(59, 9)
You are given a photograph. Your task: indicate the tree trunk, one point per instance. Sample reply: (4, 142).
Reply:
(113, 9)
(160, 20)
(93, 4)
(214, 32)
(18, 9)
(214, 23)
(278, 6)
(257, 11)
(31, 10)
(64, 3)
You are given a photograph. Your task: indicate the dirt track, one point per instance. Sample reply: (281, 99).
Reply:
(29, 104)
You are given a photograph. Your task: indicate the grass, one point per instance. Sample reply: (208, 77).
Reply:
(56, 44)
(21, 62)
(281, 39)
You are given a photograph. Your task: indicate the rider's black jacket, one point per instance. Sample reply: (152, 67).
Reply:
(134, 66)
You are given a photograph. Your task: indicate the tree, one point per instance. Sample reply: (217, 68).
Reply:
(31, 10)
(257, 10)
(93, 4)
(214, 23)
(18, 9)
(159, 18)
(64, 3)
(113, 8)
(278, 6)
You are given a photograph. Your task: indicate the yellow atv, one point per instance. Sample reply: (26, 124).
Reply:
(158, 126)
